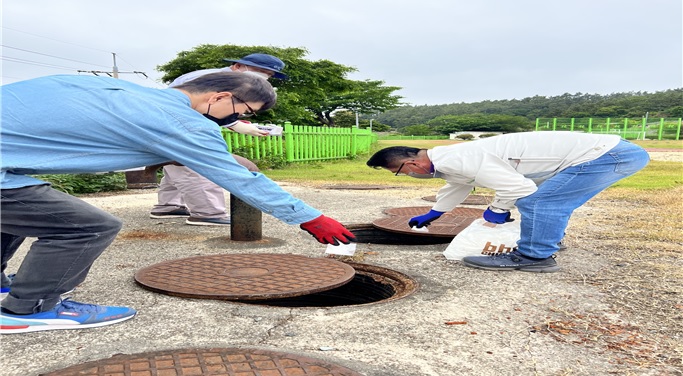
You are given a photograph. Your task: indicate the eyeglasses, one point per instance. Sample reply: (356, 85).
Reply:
(251, 111)
(398, 172)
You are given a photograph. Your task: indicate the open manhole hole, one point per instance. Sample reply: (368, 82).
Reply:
(368, 233)
(276, 280)
(371, 284)
(201, 362)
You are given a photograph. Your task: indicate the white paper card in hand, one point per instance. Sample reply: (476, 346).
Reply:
(272, 129)
(341, 249)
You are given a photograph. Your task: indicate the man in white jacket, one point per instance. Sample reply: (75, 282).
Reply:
(546, 175)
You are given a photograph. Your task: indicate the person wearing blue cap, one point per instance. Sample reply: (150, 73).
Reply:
(183, 192)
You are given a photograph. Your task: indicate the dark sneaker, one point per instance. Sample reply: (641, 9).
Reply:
(177, 213)
(6, 289)
(65, 315)
(208, 221)
(512, 261)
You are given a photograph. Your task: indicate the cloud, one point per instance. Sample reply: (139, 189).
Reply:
(438, 51)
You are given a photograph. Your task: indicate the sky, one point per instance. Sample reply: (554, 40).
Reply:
(437, 51)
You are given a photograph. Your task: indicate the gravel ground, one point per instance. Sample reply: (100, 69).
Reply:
(615, 308)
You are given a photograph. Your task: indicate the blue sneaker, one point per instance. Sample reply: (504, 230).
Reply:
(6, 289)
(512, 261)
(65, 315)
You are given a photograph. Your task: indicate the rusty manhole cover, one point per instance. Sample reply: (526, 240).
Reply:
(358, 187)
(470, 200)
(449, 225)
(419, 210)
(199, 362)
(245, 276)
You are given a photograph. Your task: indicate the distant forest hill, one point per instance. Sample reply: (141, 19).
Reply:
(666, 104)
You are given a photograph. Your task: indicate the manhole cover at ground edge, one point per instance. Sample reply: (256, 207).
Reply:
(200, 362)
(420, 210)
(470, 200)
(244, 276)
(446, 226)
(359, 187)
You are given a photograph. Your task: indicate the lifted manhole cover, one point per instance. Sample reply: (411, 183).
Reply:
(470, 200)
(244, 276)
(446, 226)
(419, 210)
(200, 362)
(359, 187)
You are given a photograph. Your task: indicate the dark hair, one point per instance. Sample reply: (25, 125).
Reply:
(390, 156)
(244, 86)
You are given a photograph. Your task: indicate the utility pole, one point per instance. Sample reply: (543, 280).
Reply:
(138, 177)
(115, 70)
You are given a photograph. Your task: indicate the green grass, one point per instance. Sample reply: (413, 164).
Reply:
(656, 176)
(663, 144)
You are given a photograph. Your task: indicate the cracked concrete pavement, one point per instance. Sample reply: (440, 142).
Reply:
(407, 337)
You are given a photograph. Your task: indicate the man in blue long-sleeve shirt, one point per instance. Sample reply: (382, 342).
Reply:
(80, 124)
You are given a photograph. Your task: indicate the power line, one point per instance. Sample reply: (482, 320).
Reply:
(56, 57)
(114, 73)
(61, 41)
(31, 62)
(56, 40)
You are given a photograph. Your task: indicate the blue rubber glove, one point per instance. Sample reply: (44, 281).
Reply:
(425, 219)
(493, 217)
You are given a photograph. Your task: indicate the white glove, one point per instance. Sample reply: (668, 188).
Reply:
(246, 128)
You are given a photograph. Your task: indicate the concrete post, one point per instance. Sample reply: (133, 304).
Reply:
(246, 223)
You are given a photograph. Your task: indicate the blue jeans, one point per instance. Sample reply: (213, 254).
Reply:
(545, 213)
(70, 234)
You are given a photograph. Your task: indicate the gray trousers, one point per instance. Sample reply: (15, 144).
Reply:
(182, 187)
(70, 234)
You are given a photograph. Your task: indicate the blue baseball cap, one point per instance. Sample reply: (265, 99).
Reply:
(263, 61)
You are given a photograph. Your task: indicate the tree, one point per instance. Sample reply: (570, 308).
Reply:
(314, 91)
(479, 122)
(579, 105)
(417, 130)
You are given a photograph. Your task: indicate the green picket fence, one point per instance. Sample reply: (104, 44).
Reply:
(629, 129)
(303, 143)
(402, 137)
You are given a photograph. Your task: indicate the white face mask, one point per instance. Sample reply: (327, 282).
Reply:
(257, 74)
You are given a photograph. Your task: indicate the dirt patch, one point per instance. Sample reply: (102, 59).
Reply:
(641, 239)
(668, 156)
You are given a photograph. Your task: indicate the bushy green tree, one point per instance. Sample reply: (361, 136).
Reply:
(314, 91)
(479, 122)
(579, 105)
(418, 130)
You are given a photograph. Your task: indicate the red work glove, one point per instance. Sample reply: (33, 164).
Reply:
(327, 231)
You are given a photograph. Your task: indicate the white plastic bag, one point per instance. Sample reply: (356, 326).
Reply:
(483, 238)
